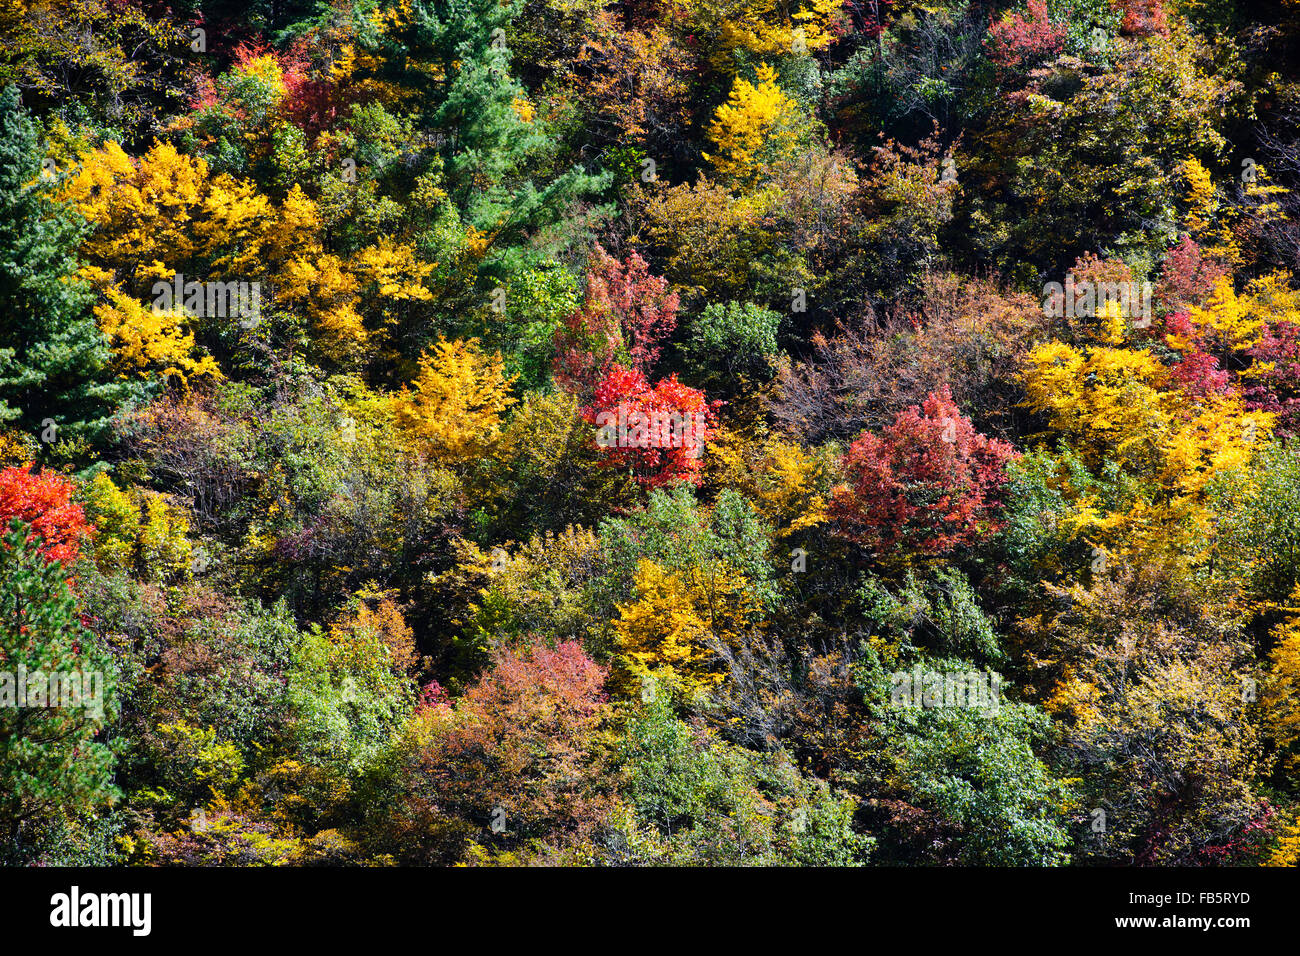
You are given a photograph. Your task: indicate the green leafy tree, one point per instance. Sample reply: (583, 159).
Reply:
(697, 800)
(734, 344)
(979, 773)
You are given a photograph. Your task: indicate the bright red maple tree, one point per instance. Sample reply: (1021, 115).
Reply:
(1188, 275)
(658, 432)
(44, 501)
(1143, 17)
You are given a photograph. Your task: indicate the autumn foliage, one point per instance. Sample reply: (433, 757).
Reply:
(1024, 39)
(625, 315)
(640, 397)
(520, 745)
(659, 433)
(44, 500)
(929, 482)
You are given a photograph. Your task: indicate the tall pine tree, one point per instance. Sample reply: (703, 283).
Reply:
(451, 60)
(51, 763)
(53, 358)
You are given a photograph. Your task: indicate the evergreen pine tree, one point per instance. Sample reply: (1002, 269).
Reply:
(52, 354)
(454, 56)
(50, 761)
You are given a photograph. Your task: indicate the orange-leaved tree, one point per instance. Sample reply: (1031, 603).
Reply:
(43, 500)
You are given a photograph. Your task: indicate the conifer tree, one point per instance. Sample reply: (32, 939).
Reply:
(49, 758)
(452, 57)
(53, 383)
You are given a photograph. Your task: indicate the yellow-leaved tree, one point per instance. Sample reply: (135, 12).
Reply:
(1214, 220)
(142, 212)
(755, 131)
(453, 408)
(1118, 408)
(138, 530)
(165, 214)
(1117, 405)
(784, 483)
(731, 29)
(147, 340)
(1280, 698)
(1232, 321)
(664, 634)
(661, 637)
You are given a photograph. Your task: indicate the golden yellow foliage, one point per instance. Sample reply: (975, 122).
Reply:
(16, 448)
(761, 28)
(146, 340)
(1117, 406)
(165, 214)
(1108, 400)
(377, 614)
(662, 636)
(1280, 698)
(143, 213)
(1287, 851)
(232, 226)
(454, 407)
(523, 108)
(754, 131)
(1213, 219)
(1235, 321)
(778, 477)
(395, 270)
(1201, 199)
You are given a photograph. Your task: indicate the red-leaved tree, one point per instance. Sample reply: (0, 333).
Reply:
(626, 314)
(1019, 41)
(1199, 375)
(928, 483)
(1275, 376)
(44, 501)
(1143, 17)
(1188, 275)
(659, 433)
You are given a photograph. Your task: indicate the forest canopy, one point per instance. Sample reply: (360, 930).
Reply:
(650, 432)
